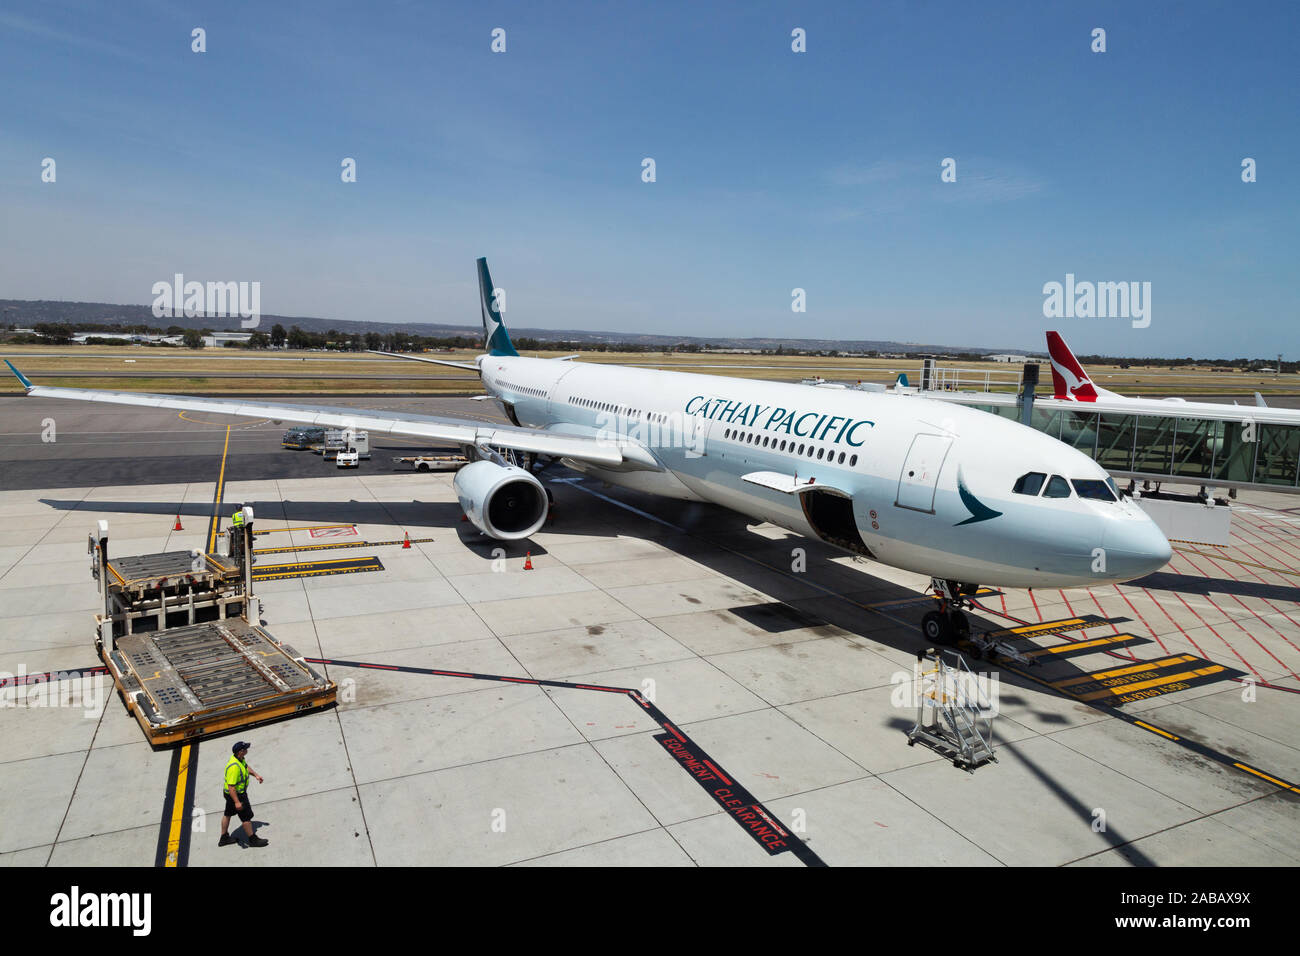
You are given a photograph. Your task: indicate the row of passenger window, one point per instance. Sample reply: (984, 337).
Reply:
(1057, 487)
(617, 409)
(790, 447)
(525, 389)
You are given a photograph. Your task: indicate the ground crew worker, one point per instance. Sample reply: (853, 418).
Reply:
(237, 535)
(236, 793)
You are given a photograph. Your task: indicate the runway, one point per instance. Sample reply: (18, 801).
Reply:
(490, 716)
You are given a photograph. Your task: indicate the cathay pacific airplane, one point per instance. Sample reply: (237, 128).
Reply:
(956, 494)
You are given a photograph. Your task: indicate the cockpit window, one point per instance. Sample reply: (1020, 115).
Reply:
(1030, 484)
(1092, 488)
(1057, 487)
(1113, 487)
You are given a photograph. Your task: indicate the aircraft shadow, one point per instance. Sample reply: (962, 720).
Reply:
(396, 513)
(1186, 584)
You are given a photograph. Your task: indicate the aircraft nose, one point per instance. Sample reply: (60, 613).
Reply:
(1134, 549)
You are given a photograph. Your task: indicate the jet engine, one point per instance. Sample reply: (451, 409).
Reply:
(502, 501)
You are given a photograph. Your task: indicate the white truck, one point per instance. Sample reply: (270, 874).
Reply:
(339, 441)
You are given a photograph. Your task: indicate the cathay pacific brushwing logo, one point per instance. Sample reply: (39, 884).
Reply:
(978, 510)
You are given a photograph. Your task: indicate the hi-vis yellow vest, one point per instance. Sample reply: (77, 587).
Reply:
(236, 774)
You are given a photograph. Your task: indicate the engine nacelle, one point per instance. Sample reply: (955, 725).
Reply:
(502, 501)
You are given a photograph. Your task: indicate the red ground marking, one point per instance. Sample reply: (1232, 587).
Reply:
(1213, 631)
(1102, 611)
(1141, 618)
(721, 776)
(1067, 602)
(1035, 600)
(1238, 623)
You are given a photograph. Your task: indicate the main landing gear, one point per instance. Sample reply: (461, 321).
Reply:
(948, 625)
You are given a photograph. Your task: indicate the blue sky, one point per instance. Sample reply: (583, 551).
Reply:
(775, 170)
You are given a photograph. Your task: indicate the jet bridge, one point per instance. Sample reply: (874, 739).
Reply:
(1255, 450)
(1182, 445)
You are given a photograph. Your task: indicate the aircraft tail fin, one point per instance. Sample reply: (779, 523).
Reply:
(901, 381)
(1259, 401)
(495, 337)
(1069, 380)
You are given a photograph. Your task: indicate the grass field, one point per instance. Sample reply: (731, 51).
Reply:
(228, 371)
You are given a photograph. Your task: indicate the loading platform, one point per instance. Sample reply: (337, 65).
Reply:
(156, 591)
(190, 682)
(179, 635)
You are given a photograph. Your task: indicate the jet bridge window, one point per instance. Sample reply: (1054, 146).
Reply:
(1057, 487)
(1092, 488)
(1030, 484)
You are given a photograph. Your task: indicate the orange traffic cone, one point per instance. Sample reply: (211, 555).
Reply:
(406, 541)
(528, 561)
(178, 524)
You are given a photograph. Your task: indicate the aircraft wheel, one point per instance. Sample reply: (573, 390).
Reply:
(960, 626)
(935, 628)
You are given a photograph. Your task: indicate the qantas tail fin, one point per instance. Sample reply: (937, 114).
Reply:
(1069, 380)
(495, 337)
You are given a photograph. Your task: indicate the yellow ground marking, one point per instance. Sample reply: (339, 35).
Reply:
(197, 421)
(313, 527)
(216, 501)
(1253, 564)
(1123, 671)
(1034, 628)
(1263, 776)
(1077, 645)
(178, 807)
(1122, 689)
(1156, 730)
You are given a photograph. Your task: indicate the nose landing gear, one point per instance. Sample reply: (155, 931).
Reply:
(948, 625)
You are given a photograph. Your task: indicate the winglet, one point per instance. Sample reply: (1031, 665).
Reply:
(26, 382)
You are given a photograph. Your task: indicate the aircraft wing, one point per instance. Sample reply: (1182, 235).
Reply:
(424, 358)
(598, 450)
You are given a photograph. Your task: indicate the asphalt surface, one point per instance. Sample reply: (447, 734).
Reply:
(96, 444)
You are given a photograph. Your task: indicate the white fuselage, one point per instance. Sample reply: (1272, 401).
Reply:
(925, 486)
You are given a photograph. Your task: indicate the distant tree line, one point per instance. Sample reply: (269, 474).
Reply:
(61, 333)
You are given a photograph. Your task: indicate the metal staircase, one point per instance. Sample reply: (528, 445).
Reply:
(953, 714)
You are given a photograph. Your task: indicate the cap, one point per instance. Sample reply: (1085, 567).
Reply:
(240, 745)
